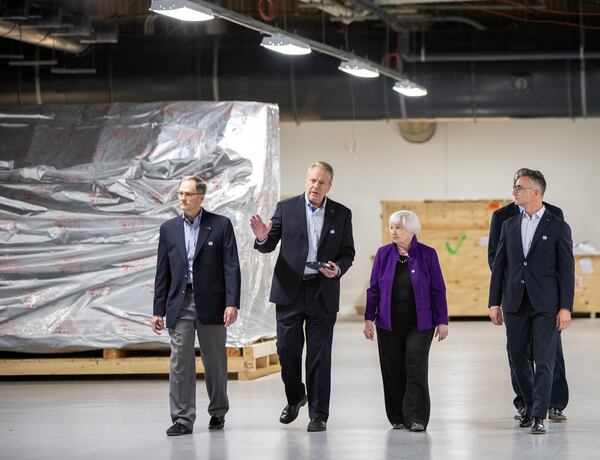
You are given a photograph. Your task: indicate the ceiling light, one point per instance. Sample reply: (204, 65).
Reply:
(285, 45)
(182, 10)
(358, 69)
(409, 88)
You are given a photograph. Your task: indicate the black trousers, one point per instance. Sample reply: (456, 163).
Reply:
(404, 360)
(559, 397)
(306, 312)
(532, 333)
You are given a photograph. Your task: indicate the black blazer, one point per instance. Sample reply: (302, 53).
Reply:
(216, 269)
(548, 270)
(498, 218)
(336, 244)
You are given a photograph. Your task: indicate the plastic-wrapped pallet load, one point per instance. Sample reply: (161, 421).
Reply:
(83, 191)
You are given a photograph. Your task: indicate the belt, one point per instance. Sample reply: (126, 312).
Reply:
(310, 277)
(189, 287)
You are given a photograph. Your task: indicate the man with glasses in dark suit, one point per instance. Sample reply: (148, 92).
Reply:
(533, 277)
(197, 287)
(559, 397)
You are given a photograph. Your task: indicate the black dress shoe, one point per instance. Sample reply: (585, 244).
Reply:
(397, 426)
(556, 415)
(526, 421)
(538, 426)
(316, 425)
(417, 427)
(290, 412)
(177, 429)
(217, 422)
(520, 413)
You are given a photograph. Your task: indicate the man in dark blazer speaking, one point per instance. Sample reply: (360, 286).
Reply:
(311, 228)
(197, 287)
(559, 397)
(534, 277)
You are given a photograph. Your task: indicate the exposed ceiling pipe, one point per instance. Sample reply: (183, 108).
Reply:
(379, 12)
(39, 38)
(497, 56)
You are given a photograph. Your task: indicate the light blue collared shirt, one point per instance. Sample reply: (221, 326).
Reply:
(314, 226)
(528, 227)
(190, 233)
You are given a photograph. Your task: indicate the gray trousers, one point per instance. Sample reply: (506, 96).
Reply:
(182, 371)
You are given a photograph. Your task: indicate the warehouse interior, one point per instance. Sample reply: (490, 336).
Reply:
(508, 84)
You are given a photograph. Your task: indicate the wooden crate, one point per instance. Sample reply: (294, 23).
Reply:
(243, 363)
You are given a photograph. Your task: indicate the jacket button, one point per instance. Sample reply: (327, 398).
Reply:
(522, 281)
(524, 263)
(183, 292)
(186, 275)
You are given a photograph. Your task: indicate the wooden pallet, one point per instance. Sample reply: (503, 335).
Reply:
(243, 363)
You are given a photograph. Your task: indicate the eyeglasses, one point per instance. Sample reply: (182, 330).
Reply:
(188, 194)
(520, 188)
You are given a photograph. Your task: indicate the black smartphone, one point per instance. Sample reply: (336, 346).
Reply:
(316, 265)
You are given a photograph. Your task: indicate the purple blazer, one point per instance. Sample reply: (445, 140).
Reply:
(427, 282)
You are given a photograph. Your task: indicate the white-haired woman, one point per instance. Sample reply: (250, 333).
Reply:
(406, 302)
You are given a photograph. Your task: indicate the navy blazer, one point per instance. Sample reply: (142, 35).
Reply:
(505, 213)
(547, 272)
(336, 244)
(216, 269)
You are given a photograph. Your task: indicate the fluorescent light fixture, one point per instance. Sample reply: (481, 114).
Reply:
(409, 88)
(285, 45)
(182, 10)
(358, 69)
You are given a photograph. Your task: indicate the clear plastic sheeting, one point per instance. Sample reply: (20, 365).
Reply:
(83, 191)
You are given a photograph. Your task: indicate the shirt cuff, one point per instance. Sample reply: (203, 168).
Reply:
(495, 307)
(261, 242)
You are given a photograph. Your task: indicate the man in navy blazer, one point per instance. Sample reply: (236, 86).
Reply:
(559, 397)
(533, 276)
(197, 287)
(311, 228)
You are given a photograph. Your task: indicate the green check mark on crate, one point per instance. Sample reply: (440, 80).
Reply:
(453, 251)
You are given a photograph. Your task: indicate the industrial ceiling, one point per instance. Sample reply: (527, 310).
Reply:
(477, 59)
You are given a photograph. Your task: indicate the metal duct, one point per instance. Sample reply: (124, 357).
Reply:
(39, 38)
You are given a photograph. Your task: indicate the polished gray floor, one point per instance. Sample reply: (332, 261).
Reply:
(471, 411)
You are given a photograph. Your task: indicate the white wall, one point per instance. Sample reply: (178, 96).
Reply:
(463, 160)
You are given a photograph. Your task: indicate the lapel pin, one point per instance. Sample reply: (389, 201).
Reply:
(412, 271)
(332, 231)
(207, 228)
(210, 243)
(544, 237)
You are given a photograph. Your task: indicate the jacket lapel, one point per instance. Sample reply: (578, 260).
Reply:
(327, 220)
(203, 231)
(180, 239)
(516, 232)
(545, 221)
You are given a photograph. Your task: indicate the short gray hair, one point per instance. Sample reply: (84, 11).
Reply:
(200, 184)
(408, 220)
(536, 177)
(323, 165)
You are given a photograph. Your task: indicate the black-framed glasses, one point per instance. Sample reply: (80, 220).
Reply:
(188, 194)
(520, 188)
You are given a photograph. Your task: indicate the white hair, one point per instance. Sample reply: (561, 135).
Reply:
(408, 220)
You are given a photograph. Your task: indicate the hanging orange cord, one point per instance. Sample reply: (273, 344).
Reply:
(272, 10)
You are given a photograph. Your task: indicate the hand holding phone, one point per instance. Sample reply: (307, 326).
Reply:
(315, 265)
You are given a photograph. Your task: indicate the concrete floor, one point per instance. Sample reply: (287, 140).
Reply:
(471, 411)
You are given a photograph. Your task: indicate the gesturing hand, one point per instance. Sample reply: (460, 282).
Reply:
(259, 228)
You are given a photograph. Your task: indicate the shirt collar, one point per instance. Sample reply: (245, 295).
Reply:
(196, 222)
(537, 216)
(311, 207)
